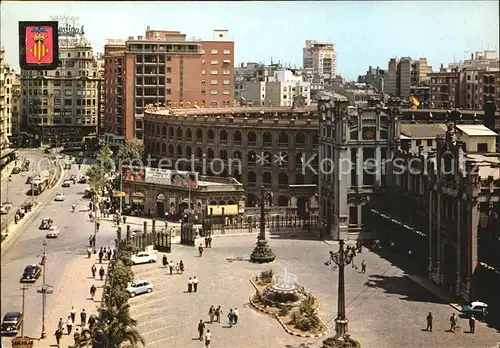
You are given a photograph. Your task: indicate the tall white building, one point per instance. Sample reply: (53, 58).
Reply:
(321, 57)
(7, 76)
(279, 90)
(61, 107)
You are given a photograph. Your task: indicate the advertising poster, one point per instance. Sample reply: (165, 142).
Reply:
(158, 176)
(184, 179)
(133, 174)
(38, 45)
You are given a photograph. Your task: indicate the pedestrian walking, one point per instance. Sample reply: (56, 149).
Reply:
(209, 241)
(69, 325)
(89, 252)
(230, 317)
(206, 242)
(195, 284)
(164, 261)
(90, 240)
(76, 337)
(218, 313)
(472, 324)
(211, 313)
(429, 322)
(171, 266)
(200, 250)
(190, 285)
(363, 267)
(208, 338)
(91, 322)
(236, 314)
(453, 322)
(201, 329)
(93, 270)
(97, 226)
(109, 253)
(72, 314)
(101, 272)
(60, 325)
(92, 291)
(181, 266)
(58, 335)
(101, 255)
(83, 317)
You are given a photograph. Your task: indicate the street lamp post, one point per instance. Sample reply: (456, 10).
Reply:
(262, 253)
(44, 333)
(341, 258)
(23, 289)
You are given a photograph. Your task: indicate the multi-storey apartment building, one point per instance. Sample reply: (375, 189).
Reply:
(16, 108)
(489, 86)
(279, 90)
(163, 67)
(60, 107)
(444, 89)
(374, 77)
(405, 73)
(7, 76)
(321, 57)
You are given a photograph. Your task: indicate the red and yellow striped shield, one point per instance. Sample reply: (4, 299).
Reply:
(39, 50)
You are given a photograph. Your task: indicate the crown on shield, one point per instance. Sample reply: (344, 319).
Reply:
(39, 38)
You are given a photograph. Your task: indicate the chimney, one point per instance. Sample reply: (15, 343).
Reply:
(472, 56)
(139, 37)
(441, 68)
(130, 37)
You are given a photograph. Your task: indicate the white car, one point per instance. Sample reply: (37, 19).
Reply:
(53, 232)
(143, 257)
(59, 197)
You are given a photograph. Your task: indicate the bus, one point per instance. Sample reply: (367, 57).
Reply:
(40, 182)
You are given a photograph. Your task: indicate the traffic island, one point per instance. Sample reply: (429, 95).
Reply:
(294, 308)
(262, 253)
(347, 342)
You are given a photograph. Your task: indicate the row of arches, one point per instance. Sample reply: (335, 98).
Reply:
(163, 132)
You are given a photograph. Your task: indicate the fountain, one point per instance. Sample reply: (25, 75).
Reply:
(284, 290)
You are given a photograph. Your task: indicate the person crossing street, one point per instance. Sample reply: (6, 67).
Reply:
(201, 329)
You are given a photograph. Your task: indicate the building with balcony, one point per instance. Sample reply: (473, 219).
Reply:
(7, 78)
(321, 57)
(444, 89)
(271, 146)
(61, 107)
(403, 74)
(16, 109)
(163, 67)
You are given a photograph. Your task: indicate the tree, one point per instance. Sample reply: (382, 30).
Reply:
(100, 172)
(132, 152)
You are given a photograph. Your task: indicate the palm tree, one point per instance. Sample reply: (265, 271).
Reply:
(115, 328)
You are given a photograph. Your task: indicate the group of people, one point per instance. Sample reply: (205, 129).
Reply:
(214, 315)
(178, 267)
(21, 212)
(453, 323)
(78, 335)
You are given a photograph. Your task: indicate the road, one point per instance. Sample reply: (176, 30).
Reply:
(72, 243)
(15, 191)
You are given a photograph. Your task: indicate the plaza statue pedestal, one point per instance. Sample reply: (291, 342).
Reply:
(334, 342)
(262, 253)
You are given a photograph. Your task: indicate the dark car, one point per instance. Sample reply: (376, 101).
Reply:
(16, 170)
(45, 224)
(12, 323)
(31, 274)
(29, 179)
(66, 183)
(83, 180)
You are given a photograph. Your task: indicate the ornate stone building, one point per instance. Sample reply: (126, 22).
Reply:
(154, 199)
(271, 146)
(449, 219)
(354, 145)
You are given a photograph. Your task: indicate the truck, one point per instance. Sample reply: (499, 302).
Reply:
(40, 182)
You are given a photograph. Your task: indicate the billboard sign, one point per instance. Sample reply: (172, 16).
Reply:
(38, 45)
(170, 177)
(133, 174)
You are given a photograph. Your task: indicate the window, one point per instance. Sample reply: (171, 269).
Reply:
(203, 72)
(227, 82)
(214, 62)
(482, 147)
(169, 91)
(203, 92)
(226, 72)
(429, 142)
(418, 142)
(213, 82)
(353, 215)
(226, 92)
(214, 92)
(214, 51)
(213, 72)
(203, 82)
(227, 51)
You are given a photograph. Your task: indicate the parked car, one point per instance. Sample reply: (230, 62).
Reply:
(477, 308)
(31, 274)
(66, 183)
(59, 197)
(143, 257)
(45, 224)
(53, 232)
(88, 192)
(73, 178)
(139, 287)
(83, 180)
(16, 170)
(11, 323)
(5, 207)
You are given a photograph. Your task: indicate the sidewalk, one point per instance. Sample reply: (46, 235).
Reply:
(74, 291)
(444, 295)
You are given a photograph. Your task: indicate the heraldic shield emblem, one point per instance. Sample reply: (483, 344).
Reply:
(38, 45)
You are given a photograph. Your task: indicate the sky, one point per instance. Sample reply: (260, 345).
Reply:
(365, 32)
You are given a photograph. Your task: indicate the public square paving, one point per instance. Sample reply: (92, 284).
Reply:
(385, 309)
